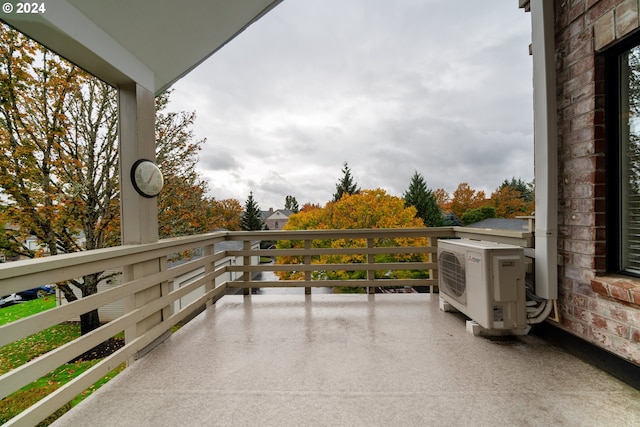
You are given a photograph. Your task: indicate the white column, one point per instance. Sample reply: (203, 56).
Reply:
(139, 215)
(545, 148)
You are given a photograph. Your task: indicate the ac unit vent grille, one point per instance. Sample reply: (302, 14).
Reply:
(453, 274)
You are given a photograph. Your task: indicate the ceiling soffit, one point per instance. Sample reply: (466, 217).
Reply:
(153, 43)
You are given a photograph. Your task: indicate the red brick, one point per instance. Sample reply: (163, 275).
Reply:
(599, 8)
(601, 323)
(585, 261)
(620, 290)
(600, 264)
(584, 65)
(581, 205)
(619, 314)
(600, 287)
(579, 301)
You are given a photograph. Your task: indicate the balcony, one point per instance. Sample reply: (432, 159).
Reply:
(316, 359)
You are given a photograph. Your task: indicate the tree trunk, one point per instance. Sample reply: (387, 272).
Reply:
(89, 321)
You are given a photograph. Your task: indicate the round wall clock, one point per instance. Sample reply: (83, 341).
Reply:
(147, 178)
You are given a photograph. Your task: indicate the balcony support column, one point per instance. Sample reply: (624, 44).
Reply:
(138, 214)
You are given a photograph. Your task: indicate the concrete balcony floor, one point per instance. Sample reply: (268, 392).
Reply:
(352, 360)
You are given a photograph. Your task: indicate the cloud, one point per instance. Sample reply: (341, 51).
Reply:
(439, 87)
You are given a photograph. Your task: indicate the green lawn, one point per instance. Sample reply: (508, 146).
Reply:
(26, 309)
(18, 353)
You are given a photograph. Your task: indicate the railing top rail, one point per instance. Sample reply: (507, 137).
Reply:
(341, 233)
(67, 266)
(20, 275)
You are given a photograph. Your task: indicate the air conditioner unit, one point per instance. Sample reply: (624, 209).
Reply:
(485, 281)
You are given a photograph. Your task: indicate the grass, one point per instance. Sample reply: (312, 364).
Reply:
(26, 309)
(20, 352)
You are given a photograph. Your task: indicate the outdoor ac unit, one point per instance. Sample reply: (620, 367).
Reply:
(485, 281)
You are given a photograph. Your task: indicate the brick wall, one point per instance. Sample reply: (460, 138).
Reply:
(592, 305)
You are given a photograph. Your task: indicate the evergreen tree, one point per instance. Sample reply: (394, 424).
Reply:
(290, 203)
(251, 218)
(424, 200)
(525, 189)
(346, 184)
(451, 220)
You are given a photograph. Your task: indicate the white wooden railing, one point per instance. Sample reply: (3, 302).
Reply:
(149, 319)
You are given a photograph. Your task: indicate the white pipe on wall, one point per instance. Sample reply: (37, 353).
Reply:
(545, 148)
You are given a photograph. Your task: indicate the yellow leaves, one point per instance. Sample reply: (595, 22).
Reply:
(367, 209)
(465, 198)
(509, 203)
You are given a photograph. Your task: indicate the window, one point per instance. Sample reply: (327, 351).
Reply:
(623, 127)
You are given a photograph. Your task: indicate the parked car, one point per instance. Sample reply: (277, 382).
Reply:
(8, 300)
(39, 292)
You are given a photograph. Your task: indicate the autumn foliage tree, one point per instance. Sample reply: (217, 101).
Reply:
(184, 207)
(443, 199)
(512, 200)
(59, 161)
(465, 198)
(367, 209)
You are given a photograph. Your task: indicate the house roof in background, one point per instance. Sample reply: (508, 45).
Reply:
(150, 43)
(264, 215)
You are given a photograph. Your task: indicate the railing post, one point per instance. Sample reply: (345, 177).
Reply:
(139, 299)
(307, 261)
(208, 268)
(246, 260)
(433, 273)
(371, 274)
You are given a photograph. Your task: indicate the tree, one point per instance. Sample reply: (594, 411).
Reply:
(310, 206)
(465, 198)
(225, 213)
(59, 158)
(423, 199)
(443, 199)
(478, 214)
(291, 204)
(251, 218)
(367, 209)
(451, 220)
(183, 205)
(346, 185)
(525, 189)
(509, 202)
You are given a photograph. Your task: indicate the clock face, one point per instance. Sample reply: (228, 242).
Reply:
(147, 178)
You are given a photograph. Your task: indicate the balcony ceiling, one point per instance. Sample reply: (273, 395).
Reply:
(151, 43)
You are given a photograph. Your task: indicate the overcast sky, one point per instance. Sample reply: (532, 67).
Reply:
(436, 86)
